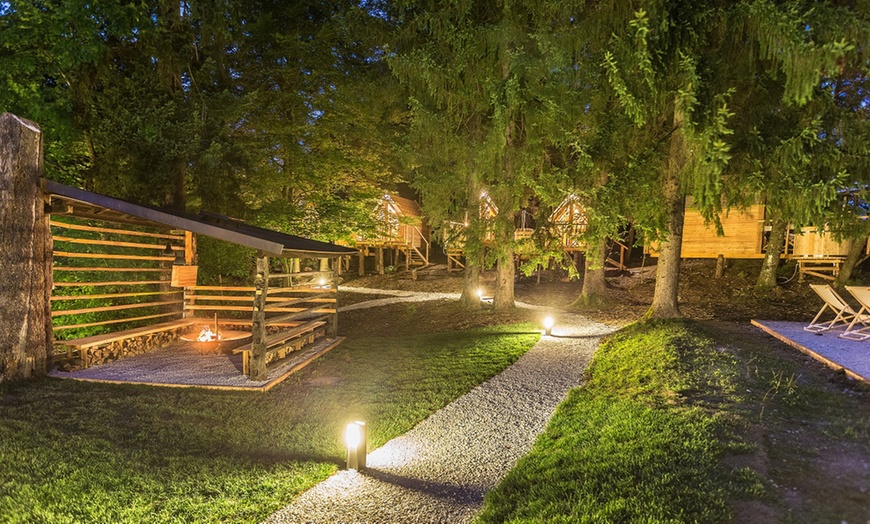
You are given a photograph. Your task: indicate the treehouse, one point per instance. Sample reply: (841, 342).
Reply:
(569, 221)
(401, 231)
(745, 236)
(125, 283)
(454, 238)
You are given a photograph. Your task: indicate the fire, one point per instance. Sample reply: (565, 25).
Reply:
(207, 335)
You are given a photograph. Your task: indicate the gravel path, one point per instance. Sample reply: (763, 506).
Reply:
(441, 470)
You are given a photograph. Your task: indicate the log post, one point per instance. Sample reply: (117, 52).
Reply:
(720, 266)
(362, 264)
(258, 322)
(26, 255)
(380, 260)
(333, 327)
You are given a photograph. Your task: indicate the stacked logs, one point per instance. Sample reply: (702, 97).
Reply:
(122, 348)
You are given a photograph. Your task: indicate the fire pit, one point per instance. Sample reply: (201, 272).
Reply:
(209, 340)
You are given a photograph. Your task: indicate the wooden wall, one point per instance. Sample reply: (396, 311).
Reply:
(810, 243)
(743, 232)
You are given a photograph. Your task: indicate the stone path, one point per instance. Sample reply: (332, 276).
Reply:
(441, 469)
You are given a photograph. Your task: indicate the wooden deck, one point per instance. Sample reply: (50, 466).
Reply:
(850, 356)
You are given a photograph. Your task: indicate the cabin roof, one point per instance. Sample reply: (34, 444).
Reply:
(71, 200)
(407, 207)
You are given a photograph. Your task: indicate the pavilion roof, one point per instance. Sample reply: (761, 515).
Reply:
(85, 204)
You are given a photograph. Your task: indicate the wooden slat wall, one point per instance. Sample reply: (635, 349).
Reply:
(283, 303)
(110, 275)
(743, 232)
(810, 243)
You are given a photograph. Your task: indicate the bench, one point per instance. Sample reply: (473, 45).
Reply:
(825, 268)
(86, 344)
(284, 341)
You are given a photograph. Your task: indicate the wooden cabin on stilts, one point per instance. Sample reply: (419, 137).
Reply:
(402, 236)
(569, 221)
(745, 234)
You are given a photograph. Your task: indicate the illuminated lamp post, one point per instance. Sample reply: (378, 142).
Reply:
(355, 438)
(549, 322)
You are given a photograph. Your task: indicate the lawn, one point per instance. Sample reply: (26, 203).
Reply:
(80, 452)
(681, 422)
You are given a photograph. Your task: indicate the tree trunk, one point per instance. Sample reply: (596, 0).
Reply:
(26, 255)
(767, 276)
(505, 269)
(504, 281)
(473, 247)
(594, 291)
(665, 299)
(853, 258)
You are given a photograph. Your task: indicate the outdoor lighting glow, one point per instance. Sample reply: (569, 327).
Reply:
(355, 438)
(480, 294)
(549, 322)
(352, 435)
(322, 282)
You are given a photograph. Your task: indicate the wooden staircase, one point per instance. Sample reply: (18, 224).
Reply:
(617, 255)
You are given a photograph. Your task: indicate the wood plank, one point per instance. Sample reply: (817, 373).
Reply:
(114, 308)
(114, 269)
(111, 283)
(99, 340)
(293, 316)
(81, 227)
(301, 274)
(191, 307)
(294, 301)
(112, 243)
(241, 322)
(306, 289)
(283, 336)
(114, 295)
(307, 359)
(111, 256)
(222, 288)
(115, 321)
(250, 298)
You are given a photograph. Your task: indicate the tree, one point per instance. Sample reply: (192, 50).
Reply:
(674, 67)
(479, 88)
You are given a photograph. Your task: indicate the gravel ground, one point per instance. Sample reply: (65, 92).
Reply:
(179, 364)
(441, 470)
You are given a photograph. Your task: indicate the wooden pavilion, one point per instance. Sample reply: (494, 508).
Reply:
(401, 231)
(122, 264)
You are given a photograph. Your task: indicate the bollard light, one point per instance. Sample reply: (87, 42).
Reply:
(549, 322)
(355, 438)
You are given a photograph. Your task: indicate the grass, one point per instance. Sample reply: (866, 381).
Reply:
(80, 452)
(697, 422)
(640, 442)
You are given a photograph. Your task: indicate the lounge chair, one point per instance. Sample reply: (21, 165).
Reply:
(844, 313)
(862, 332)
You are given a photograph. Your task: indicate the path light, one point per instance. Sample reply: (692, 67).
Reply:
(549, 322)
(355, 438)
(322, 282)
(480, 293)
